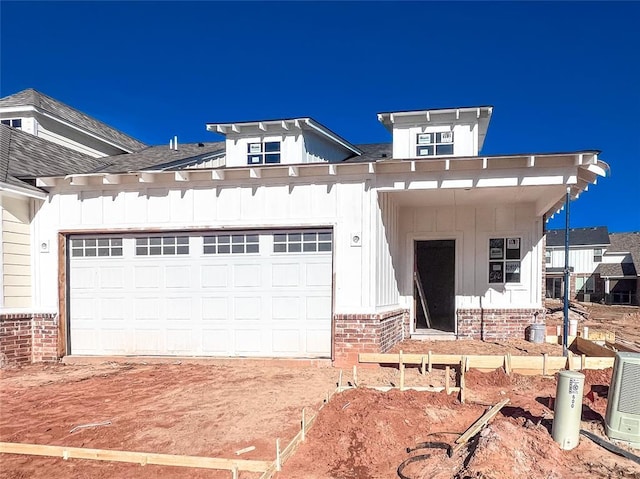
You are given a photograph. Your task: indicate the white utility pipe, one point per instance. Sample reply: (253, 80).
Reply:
(568, 409)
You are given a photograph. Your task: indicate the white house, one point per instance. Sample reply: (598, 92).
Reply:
(288, 241)
(602, 265)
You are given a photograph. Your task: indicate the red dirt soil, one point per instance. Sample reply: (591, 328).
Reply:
(173, 409)
(364, 434)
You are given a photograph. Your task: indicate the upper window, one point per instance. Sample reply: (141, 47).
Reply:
(597, 255)
(15, 123)
(162, 245)
(547, 257)
(302, 242)
(234, 244)
(504, 260)
(263, 152)
(92, 247)
(434, 144)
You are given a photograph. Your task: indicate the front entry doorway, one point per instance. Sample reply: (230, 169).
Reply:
(434, 285)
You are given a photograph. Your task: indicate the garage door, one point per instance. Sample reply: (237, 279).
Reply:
(207, 294)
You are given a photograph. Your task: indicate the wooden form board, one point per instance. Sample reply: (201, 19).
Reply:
(593, 349)
(141, 458)
(519, 364)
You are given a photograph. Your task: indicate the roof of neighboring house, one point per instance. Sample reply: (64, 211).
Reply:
(597, 235)
(373, 152)
(622, 243)
(615, 270)
(159, 158)
(31, 97)
(24, 156)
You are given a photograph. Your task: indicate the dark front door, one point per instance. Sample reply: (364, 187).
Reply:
(434, 284)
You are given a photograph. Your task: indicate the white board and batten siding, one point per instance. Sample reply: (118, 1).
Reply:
(581, 259)
(263, 208)
(472, 227)
(254, 293)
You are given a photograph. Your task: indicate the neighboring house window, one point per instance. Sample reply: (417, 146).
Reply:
(162, 245)
(504, 260)
(15, 123)
(263, 152)
(547, 257)
(302, 242)
(92, 247)
(434, 144)
(585, 285)
(597, 255)
(231, 244)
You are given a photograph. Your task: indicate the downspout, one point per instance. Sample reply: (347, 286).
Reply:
(565, 329)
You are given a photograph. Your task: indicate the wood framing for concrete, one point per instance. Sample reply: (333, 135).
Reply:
(526, 365)
(141, 458)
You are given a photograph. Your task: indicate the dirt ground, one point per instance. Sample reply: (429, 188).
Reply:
(174, 409)
(517, 347)
(622, 320)
(365, 434)
(207, 410)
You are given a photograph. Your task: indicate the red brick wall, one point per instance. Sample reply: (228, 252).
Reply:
(496, 324)
(366, 333)
(27, 338)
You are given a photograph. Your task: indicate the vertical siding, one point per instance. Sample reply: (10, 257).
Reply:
(16, 249)
(580, 259)
(472, 227)
(387, 249)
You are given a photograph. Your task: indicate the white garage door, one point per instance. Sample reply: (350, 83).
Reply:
(205, 294)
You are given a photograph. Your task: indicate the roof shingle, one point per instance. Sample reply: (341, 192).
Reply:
(65, 112)
(597, 235)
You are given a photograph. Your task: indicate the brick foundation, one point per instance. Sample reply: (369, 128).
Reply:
(497, 324)
(28, 338)
(367, 333)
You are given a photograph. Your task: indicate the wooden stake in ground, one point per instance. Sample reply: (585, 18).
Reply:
(447, 380)
(477, 426)
(401, 362)
(355, 375)
(463, 365)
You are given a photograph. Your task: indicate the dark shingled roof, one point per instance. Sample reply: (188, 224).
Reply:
(622, 243)
(159, 157)
(373, 152)
(597, 235)
(24, 156)
(67, 113)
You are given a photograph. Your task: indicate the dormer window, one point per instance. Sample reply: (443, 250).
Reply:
(434, 144)
(263, 152)
(14, 123)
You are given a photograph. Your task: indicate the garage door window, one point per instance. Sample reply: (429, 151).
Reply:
(231, 244)
(302, 242)
(162, 245)
(92, 247)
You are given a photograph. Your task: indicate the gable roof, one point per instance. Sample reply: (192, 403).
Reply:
(158, 158)
(24, 156)
(597, 235)
(51, 106)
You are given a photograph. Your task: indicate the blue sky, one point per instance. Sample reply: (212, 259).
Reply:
(562, 76)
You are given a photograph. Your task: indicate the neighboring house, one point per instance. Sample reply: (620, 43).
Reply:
(286, 240)
(586, 249)
(52, 120)
(620, 269)
(602, 265)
